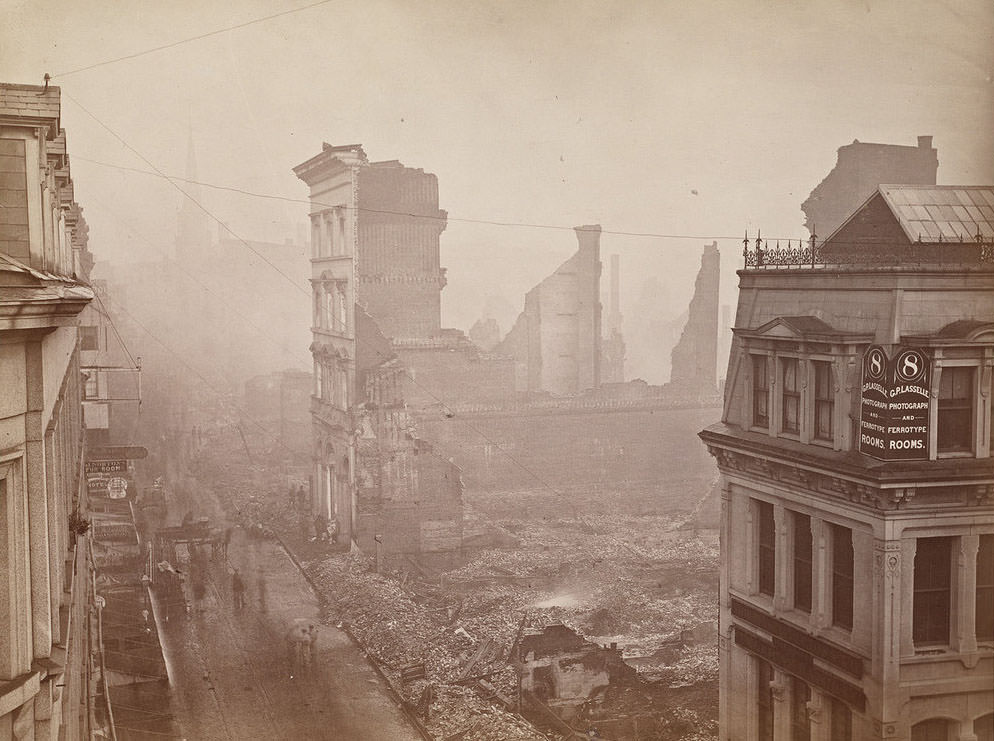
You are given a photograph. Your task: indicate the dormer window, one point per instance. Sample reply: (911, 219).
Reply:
(955, 416)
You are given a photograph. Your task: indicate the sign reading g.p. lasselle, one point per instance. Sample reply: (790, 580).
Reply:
(894, 404)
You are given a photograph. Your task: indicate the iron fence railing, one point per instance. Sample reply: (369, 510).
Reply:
(768, 254)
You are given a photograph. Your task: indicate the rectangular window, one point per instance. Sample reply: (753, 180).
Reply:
(764, 701)
(824, 400)
(802, 561)
(91, 387)
(933, 585)
(985, 589)
(760, 392)
(89, 338)
(791, 395)
(842, 577)
(14, 190)
(767, 547)
(955, 422)
(800, 695)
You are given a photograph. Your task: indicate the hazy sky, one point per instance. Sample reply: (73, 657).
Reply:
(555, 113)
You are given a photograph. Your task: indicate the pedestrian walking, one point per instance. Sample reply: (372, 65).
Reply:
(226, 542)
(320, 527)
(291, 497)
(237, 590)
(199, 592)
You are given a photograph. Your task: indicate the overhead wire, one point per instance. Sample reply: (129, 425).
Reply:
(189, 39)
(427, 217)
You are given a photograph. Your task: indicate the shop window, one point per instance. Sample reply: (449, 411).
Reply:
(840, 720)
(791, 396)
(824, 400)
(985, 589)
(933, 585)
(842, 577)
(802, 561)
(760, 392)
(764, 701)
(767, 548)
(955, 420)
(800, 695)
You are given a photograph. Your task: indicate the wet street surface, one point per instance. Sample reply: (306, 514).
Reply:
(229, 667)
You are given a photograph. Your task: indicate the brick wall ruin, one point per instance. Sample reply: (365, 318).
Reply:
(556, 341)
(695, 357)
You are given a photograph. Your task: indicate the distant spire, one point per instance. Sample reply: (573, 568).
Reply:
(192, 233)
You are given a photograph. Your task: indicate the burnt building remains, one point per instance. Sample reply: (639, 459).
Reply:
(861, 167)
(376, 281)
(694, 360)
(556, 341)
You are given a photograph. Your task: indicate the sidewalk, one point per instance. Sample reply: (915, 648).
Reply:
(229, 670)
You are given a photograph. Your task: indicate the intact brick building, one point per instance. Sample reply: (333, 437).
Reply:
(860, 168)
(855, 447)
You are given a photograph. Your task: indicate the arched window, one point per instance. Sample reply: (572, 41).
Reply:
(933, 729)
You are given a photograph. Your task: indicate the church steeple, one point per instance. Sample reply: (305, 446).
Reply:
(192, 233)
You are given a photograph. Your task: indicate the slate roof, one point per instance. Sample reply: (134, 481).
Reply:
(32, 102)
(946, 213)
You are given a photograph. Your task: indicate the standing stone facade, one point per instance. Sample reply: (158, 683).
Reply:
(375, 278)
(856, 579)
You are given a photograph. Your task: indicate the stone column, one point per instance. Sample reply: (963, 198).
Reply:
(821, 582)
(37, 499)
(781, 703)
(782, 561)
(965, 596)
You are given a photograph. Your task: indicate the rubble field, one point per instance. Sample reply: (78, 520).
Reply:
(441, 627)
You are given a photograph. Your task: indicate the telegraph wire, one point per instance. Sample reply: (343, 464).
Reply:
(189, 39)
(185, 194)
(117, 334)
(366, 209)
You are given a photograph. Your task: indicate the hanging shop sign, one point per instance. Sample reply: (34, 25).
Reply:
(894, 404)
(110, 466)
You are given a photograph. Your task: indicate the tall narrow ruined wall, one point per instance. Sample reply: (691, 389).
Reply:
(695, 357)
(556, 341)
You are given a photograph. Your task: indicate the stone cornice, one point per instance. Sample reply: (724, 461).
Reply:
(822, 472)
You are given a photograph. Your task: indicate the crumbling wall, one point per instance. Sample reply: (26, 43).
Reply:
(695, 357)
(397, 265)
(860, 168)
(556, 341)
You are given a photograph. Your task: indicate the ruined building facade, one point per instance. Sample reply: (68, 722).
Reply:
(693, 370)
(857, 491)
(613, 342)
(860, 168)
(375, 278)
(556, 341)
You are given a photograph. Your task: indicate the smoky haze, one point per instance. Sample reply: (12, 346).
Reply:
(700, 120)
